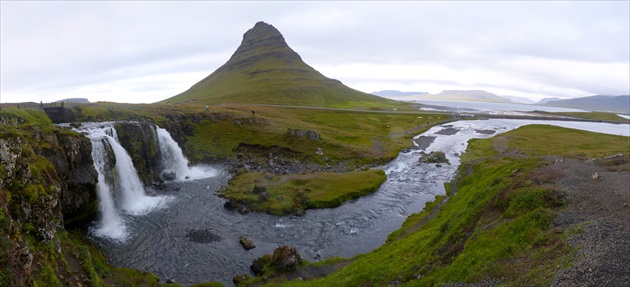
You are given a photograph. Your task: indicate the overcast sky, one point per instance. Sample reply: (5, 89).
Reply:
(143, 52)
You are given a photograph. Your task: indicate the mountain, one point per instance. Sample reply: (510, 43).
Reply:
(546, 100)
(519, 100)
(471, 95)
(394, 93)
(265, 70)
(615, 104)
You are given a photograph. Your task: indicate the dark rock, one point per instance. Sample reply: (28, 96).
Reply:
(246, 243)
(169, 175)
(258, 266)
(72, 158)
(239, 279)
(140, 140)
(230, 204)
(202, 236)
(286, 258)
(242, 208)
(433, 157)
(307, 134)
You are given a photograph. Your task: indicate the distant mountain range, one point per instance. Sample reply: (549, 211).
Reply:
(393, 93)
(74, 100)
(546, 100)
(472, 95)
(519, 100)
(616, 104)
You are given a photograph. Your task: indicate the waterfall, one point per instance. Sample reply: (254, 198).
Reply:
(173, 159)
(119, 187)
(111, 225)
(133, 198)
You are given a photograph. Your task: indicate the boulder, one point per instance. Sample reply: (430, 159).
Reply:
(433, 157)
(169, 175)
(286, 258)
(239, 279)
(246, 243)
(258, 266)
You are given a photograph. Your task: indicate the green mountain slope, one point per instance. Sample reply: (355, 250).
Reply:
(265, 70)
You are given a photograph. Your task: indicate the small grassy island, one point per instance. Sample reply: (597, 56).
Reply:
(293, 194)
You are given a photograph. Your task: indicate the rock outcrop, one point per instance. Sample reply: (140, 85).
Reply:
(140, 140)
(285, 258)
(72, 159)
(307, 134)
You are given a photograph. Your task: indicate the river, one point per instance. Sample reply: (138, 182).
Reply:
(194, 239)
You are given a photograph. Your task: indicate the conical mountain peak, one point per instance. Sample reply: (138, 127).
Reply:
(265, 70)
(263, 40)
(262, 36)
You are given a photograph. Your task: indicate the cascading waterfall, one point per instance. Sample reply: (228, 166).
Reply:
(119, 186)
(133, 198)
(174, 160)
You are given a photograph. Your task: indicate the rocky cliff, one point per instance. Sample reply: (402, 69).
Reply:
(46, 178)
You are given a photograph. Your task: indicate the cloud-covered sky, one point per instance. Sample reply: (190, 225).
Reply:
(142, 52)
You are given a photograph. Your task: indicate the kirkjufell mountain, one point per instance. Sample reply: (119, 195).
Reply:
(265, 70)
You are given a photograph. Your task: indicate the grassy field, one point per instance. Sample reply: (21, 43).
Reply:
(358, 137)
(495, 223)
(598, 116)
(287, 194)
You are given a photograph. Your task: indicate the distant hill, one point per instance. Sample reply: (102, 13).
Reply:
(615, 104)
(265, 70)
(394, 93)
(472, 95)
(519, 100)
(74, 100)
(546, 100)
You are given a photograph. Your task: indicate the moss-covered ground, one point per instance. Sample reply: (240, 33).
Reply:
(495, 225)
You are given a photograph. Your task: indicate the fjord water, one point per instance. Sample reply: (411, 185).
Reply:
(194, 239)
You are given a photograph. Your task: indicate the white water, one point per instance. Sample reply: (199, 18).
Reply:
(174, 160)
(111, 224)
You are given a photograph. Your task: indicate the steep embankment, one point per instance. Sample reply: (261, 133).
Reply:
(512, 218)
(47, 184)
(265, 70)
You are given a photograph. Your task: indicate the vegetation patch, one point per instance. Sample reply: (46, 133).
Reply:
(286, 194)
(597, 116)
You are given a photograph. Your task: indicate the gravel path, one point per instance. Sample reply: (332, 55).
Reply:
(599, 211)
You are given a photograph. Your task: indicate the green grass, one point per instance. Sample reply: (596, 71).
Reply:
(496, 224)
(288, 193)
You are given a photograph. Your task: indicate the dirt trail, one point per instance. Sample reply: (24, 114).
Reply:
(599, 211)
